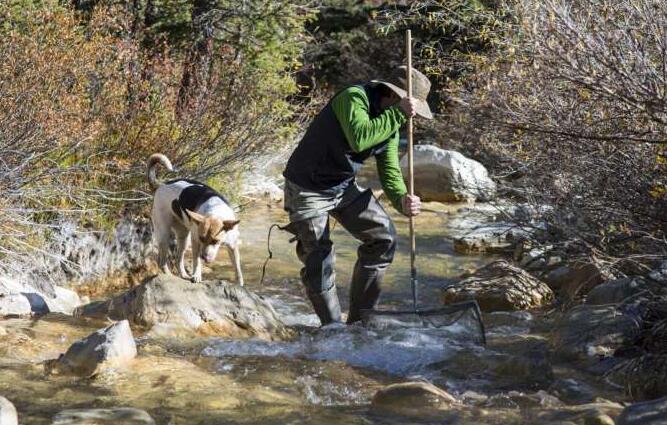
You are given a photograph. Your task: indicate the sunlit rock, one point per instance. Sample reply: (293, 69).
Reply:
(500, 286)
(111, 347)
(19, 298)
(177, 305)
(448, 176)
(412, 397)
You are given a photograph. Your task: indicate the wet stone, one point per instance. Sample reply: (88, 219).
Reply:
(409, 397)
(120, 415)
(111, 347)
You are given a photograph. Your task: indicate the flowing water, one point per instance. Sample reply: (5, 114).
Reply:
(323, 376)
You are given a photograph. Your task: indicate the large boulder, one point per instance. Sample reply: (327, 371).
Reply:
(111, 347)
(7, 412)
(590, 333)
(408, 398)
(174, 305)
(652, 412)
(119, 415)
(18, 298)
(499, 286)
(448, 176)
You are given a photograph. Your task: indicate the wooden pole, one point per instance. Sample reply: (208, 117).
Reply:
(411, 180)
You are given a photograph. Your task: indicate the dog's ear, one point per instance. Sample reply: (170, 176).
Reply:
(196, 217)
(228, 225)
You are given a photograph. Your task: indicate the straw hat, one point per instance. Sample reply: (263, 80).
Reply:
(420, 88)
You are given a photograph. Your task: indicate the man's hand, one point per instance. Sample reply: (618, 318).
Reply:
(408, 106)
(411, 205)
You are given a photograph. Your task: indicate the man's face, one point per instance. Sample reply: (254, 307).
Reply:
(388, 101)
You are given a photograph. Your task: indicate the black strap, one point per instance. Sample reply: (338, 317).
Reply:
(268, 248)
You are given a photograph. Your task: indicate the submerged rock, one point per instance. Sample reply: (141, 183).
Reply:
(8, 414)
(171, 305)
(500, 286)
(118, 415)
(412, 397)
(589, 333)
(652, 412)
(508, 362)
(111, 347)
(22, 299)
(448, 176)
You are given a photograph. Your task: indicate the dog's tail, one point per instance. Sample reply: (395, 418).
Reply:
(153, 161)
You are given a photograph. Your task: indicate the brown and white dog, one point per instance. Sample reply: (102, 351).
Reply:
(197, 214)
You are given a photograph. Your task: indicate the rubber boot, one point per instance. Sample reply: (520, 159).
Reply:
(326, 305)
(364, 290)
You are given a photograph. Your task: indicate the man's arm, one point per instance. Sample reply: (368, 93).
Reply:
(351, 108)
(390, 173)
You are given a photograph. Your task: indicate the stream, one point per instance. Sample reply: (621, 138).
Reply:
(323, 376)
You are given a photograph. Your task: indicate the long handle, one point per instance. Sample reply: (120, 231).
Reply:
(411, 180)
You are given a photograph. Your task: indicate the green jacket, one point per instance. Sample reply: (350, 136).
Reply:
(352, 109)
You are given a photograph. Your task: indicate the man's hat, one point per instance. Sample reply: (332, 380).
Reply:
(420, 88)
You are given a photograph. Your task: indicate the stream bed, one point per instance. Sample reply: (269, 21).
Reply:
(323, 376)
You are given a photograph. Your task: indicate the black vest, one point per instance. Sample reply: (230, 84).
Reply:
(323, 159)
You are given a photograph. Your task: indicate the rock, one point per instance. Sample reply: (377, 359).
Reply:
(538, 264)
(23, 299)
(263, 189)
(3, 331)
(643, 377)
(209, 308)
(652, 412)
(111, 347)
(600, 412)
(588, 333)
(448, 176)
(509, 362)
(534, 254)
(572, 280)
(554, 260)
(660, 274)
(500, 286)
(119, 415)
(412, 396)
(491, 238)
(572, 391)
(598, 419)
(520, 400)
(8, 414)
(615, 291)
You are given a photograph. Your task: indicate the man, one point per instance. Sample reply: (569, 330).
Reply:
(359, 122)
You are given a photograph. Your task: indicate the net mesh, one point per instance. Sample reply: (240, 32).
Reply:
(466, 314)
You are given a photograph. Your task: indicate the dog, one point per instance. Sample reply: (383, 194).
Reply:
(198, 215)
